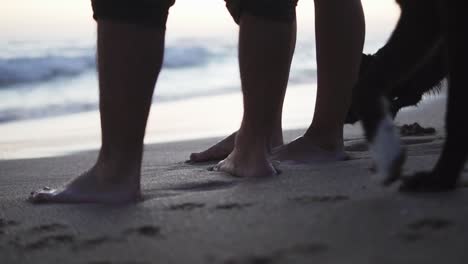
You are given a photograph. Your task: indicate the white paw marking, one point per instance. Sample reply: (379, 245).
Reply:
(385, 148)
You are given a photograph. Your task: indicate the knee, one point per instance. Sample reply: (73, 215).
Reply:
(150, 13)
(278, 10)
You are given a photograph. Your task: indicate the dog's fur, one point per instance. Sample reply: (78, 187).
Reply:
(407, 92)
(428, 31)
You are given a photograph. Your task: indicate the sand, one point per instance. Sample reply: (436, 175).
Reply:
(323, 213)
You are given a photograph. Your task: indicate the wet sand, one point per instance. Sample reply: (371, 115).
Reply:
(324, 213)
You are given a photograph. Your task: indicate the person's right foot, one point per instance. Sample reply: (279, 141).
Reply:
(249, 158)
(246, 165)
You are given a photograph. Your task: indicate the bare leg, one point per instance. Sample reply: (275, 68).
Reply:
(265, 51)
(223, 148)
(339, 41)
(129, 60)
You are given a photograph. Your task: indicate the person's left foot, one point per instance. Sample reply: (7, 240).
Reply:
(222, 149)
(98, 185)
(218, 151)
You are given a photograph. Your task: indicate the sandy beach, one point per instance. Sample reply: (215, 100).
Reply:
(323, 213)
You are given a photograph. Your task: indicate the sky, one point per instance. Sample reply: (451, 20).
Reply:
(71, 19)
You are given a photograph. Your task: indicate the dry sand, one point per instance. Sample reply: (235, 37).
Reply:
(324, 213)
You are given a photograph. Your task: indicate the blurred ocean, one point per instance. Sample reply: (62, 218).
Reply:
(47, 78)
(49, 89)
(51, 71)
(42, 79)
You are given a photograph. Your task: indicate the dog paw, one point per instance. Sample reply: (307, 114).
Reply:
(387, 153)
(428, 182)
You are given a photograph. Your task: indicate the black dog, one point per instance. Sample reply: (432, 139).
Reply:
(428, 30)
(407, 92)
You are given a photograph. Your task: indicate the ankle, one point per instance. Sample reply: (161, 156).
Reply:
(121, 157)
(330, 142)
(277, 138)
(118, 168)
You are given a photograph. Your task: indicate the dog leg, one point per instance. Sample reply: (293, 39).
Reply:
(447, 171)
(416, 36)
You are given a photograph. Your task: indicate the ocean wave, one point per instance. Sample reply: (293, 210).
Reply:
(33, 69)
(184, 57)
(14, 71)
(304, 75)
(16, 114)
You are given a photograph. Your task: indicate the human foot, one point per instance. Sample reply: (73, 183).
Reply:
(222, 149)
(218, 151)
(94, 186)
(247, 165)
(305, 150)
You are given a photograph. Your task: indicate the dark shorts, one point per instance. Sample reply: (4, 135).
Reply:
(278, 10)
(154, 13)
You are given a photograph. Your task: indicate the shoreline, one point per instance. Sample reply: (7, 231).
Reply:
(178, 121)
(182, 120)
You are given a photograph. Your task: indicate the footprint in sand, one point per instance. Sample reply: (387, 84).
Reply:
(429, 224)
(146, 231)
(417, 230)
(185, 166)
(411, 236)
(52, 238)
(6, 224)
(48, 228)
(50, 241)
(232, 206)
(178, 189)
(205, 186)
(309, 199)
(117, 262)
(251, 260)
(306, 249)
(95, 242)
(185, 206)
(277, 256)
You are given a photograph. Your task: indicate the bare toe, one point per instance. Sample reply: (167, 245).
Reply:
(276, 164)
(219, 151)
(46, 194)
(210, 154)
